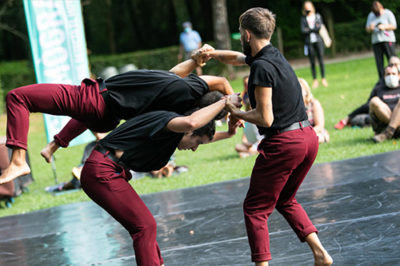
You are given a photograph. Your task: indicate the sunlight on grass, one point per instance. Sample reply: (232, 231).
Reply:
(349, 86)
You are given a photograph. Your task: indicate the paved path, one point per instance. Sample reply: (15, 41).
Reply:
(303, 62)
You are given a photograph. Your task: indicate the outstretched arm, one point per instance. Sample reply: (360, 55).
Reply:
(185, 68)
(220, 84)
(201, 117)
(227, 56)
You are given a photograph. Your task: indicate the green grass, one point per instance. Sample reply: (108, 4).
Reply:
(349, 86)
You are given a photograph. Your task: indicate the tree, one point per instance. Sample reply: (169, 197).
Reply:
(221, 28)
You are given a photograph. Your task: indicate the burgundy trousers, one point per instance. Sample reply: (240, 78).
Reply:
(83, 103)
(279, 170)
(106, 183)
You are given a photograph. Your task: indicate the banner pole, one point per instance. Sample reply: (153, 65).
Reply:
(53, 166)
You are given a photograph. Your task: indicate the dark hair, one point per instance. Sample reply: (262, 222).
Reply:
(207, 130)
(259, 21)
(375, 8)
(210, 98)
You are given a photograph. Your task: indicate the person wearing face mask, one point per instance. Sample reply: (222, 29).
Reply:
(311, 23)
(383, 104)
(360, 116)
(381, 23)
(190, 41)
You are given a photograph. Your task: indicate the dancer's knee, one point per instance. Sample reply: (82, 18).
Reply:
(147, 230)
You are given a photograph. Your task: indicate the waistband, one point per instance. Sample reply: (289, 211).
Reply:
(102, 84)
(294, 126)
(109, 153)
(107, 98)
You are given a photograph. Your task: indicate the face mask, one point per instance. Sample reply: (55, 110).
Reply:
(308, 12)
(392, 81)
(187, 29)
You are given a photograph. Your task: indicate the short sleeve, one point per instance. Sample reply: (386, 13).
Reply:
(181, 38)
(161, 120)
(391, 18)
(197, 85)
(143, 126)
(262, 73)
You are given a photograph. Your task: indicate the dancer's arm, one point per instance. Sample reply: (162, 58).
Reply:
(186, 67)
(201, 117)
(220, 84)
(263, 114)
(227, 56)
(233, 124)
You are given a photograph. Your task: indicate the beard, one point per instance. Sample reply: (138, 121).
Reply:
(246, 48)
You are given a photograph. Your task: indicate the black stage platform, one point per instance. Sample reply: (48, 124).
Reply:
(354, 203)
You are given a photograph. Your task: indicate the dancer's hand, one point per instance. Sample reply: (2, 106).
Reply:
(233, 124)
(235, 100)
(200, 56)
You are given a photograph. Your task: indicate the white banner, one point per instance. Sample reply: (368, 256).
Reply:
(59, 50)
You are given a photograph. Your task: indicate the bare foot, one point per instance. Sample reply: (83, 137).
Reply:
(315, 84)
(322, 259)
(324, 82)
(49, 150)
(13, 171)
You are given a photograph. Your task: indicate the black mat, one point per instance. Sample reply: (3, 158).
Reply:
(355, 204)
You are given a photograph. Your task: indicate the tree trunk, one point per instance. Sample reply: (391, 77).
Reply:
(222, 36)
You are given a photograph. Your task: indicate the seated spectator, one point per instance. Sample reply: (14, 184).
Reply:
(384, 106)
(360, 116)
(315, 112)
(251, 137)
(169, 169)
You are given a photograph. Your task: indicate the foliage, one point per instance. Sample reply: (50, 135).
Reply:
(124, 26)
(349, 86)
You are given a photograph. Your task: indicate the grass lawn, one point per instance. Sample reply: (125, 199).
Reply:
(349, 86)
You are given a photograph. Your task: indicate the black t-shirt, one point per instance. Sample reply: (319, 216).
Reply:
(140, 91)
(268, 68)
(146, 143)
(386, 94)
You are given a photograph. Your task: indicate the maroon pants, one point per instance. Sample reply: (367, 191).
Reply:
(84, 103)
(106, 183)
(281, 167)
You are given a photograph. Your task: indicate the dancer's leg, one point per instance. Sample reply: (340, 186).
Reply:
(70, 131)
(57, 99)
(106, 184)
(321, 256)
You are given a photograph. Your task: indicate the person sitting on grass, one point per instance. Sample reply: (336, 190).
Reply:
(315, 112)
(145, 143)
(251, 137)
(384, 107)
(360, 116)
